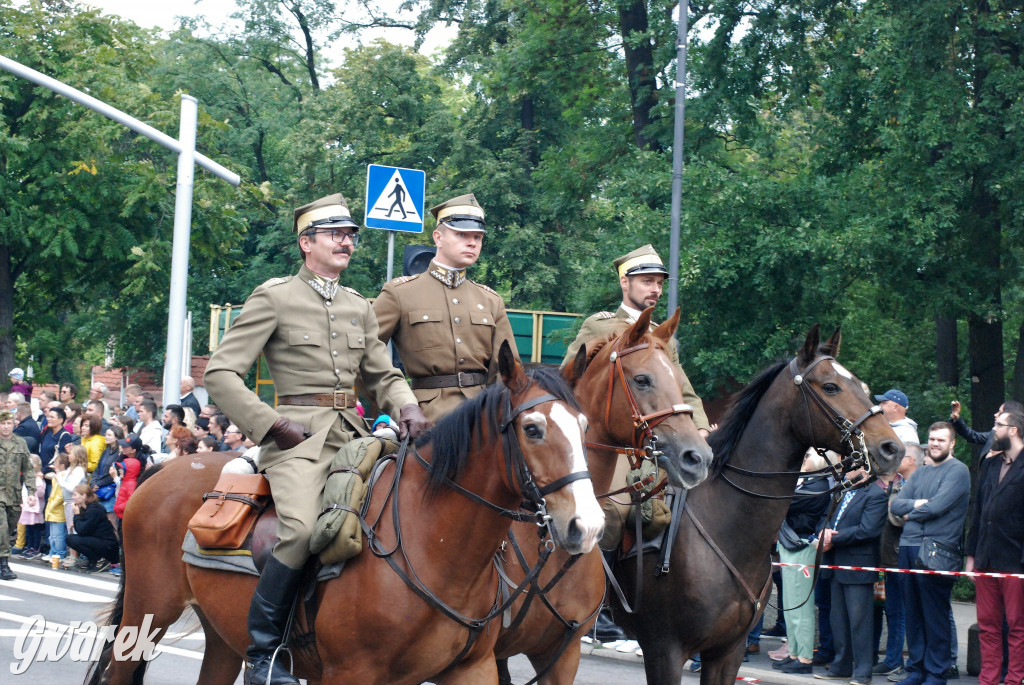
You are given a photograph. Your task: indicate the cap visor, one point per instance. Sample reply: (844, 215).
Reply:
(465, 224)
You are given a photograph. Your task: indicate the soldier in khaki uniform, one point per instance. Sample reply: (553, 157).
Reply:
(447, 329)
(641, 277)
(317, 335)
(15, 468)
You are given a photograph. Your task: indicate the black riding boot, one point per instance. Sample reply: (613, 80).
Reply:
(268, 614)
(5, 570)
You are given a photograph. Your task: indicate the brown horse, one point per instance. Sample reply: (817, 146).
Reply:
(371, 625)
(617, 405)
(720, 566)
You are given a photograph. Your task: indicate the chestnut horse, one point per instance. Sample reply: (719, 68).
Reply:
(438, 518)
(628, 383)
(720, 567)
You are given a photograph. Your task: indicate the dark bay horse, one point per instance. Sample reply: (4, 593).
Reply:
(622, 383)
(702, 604)
(370, 625)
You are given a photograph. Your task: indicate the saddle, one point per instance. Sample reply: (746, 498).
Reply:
(236, 528)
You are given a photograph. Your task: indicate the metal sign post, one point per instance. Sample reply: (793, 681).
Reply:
(187, 159)
(677, 161)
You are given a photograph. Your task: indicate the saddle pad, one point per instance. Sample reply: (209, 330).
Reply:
(236, 560)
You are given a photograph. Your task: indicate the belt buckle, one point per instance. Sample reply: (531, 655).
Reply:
(344, 396)
(458, 377)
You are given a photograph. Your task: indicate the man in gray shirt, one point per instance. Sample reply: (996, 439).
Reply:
(934, 504)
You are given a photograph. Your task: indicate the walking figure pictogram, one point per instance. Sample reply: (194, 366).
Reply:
(399, 193)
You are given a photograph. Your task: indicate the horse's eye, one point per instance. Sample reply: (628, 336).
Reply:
(642, 381)
(830, 388)
(533, 432)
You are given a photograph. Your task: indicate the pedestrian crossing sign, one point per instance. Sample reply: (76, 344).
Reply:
(394, 198)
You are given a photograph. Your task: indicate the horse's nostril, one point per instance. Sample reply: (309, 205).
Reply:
(573, 532)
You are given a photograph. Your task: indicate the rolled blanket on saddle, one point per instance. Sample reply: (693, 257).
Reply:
(337, 535)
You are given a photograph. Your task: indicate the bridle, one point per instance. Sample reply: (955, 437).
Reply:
(644, 442)
(851, 438)
(533, 508)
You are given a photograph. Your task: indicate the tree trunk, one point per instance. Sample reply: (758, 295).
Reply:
(946, 350)
(310, 56)
(643, 91)
(6, 311)
(1017, 388)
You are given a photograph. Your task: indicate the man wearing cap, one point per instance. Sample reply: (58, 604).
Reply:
(15, 466)
(894, 407)
(641, 277)
(316, 336)
(447, 329)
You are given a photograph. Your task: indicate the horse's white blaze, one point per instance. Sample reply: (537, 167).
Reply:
(841, 370)
(664, 362)
(588, 511)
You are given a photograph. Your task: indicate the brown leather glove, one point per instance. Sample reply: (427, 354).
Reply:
(412, 421)
(287, 433)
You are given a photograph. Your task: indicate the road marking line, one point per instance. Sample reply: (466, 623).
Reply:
(64, 576)
(56, 592)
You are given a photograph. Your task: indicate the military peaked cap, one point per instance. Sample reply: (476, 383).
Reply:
(463, 213)
(327, 212)
(642, 260)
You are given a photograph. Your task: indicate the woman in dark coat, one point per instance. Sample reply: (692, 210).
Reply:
(94, 537)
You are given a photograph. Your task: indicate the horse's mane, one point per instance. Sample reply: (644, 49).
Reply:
(598, 344)
(723, 440)
(450, 438)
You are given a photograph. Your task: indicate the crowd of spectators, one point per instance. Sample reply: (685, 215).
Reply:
(88, 458)
(921, 517)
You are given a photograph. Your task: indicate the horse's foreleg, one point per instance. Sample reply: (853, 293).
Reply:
(722, 666)
(563, 670)
(663, 659)
(480, 672)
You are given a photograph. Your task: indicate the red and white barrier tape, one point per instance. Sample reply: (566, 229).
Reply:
(807, 568)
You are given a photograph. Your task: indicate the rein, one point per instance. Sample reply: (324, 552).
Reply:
(644, 441)
(519, 473)
(850, 431)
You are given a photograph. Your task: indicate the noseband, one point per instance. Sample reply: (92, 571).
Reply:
(644, 442)
(851, 438)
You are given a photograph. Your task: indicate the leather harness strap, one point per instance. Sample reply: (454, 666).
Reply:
(335, 400)
(463, 379)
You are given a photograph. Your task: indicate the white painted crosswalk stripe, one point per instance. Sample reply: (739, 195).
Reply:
(56, 592)
(72, 577)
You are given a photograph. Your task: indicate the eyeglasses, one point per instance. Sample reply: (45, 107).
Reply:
(1004, 425)
(337, 235)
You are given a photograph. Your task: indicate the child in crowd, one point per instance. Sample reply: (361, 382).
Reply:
(32, 495)
(54, 513)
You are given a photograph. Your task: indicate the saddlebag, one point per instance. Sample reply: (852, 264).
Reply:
(230, 512)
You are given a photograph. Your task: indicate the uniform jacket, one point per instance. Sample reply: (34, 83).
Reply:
(441, 331)
(996, 536)
(312, 345)
(605, 324)
(855, 542)
(15, 469)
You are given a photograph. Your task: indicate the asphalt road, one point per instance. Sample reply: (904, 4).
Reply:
(64, 597)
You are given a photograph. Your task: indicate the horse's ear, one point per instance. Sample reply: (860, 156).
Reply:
(639, 329)
(667, 329)
(831, 346)
(810, 349)
(573, 371)
(511, 370)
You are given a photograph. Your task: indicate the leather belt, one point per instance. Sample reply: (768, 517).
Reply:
(463, 379)
(339, 399)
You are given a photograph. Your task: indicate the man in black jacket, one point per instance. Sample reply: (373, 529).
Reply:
(983, 438)
(852, 540)
(996, 543)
